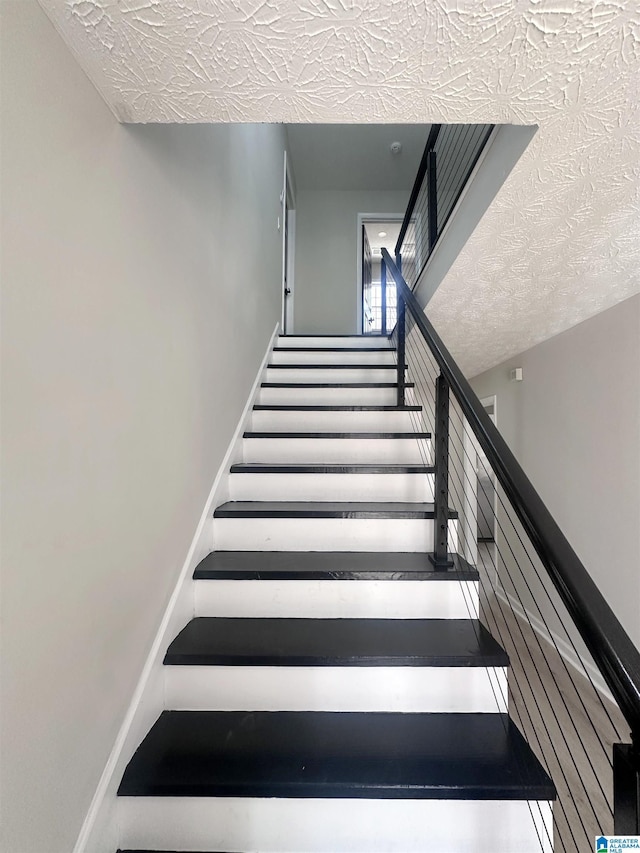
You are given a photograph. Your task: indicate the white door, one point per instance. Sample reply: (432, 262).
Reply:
(288, 254)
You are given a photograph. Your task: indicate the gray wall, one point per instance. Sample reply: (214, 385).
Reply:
(326, 255)
(141, 283)
(574, 424)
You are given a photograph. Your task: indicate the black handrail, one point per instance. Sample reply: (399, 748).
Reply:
(610, 646)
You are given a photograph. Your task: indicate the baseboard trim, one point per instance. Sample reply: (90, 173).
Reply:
(99, 832)
(564, 648)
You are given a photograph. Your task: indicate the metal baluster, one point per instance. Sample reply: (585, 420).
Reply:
(626, 789)
(432, 197)
(401, 349)
(383, 298)
(440, 556)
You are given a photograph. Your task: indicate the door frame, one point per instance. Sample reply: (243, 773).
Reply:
(288, 229)
(362, 219)
(470, 516)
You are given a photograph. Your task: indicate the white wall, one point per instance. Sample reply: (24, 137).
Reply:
(326, 255)
(574, 424)
(141, 283)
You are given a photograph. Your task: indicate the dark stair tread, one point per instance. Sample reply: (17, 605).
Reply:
(328, 754)
(297, 468)
(222, 641)
(309, 366)
(329, 565)
(335, 335)
(266, 407)
(334, 349)
(338, 435)
(326, 509)
(334, 385)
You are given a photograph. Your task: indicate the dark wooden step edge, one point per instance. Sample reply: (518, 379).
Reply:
(334, 385)
(327, 509)
(332, 366)
(274, 407)
(334, 349)
(339, 435)
(299, 642)
(337, 335)
(306, 754)
(329, 566)
(269, 468)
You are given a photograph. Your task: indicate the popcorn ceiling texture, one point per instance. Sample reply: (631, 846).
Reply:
(560, 242)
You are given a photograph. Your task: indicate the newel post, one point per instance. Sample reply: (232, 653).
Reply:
(626, 789)
(383, 297)
(432, 200)
(401, 349)
(440, 556)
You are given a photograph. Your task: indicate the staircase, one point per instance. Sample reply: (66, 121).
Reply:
(334, 692)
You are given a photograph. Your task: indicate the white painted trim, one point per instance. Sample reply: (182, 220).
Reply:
(97, 832)
(310, 825)
(282, 229)
(287, 224)
(337, 451)
(361, 219)
(405, 689)
(291, 271)
(327, 534)
(564, 648)
(331, 487)
(491, 400)
(328, 373)
(372, 357)
(341, 599)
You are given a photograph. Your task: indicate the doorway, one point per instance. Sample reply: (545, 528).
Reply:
(288, 249)
(376, 302)
(487, 508)
(479, 518)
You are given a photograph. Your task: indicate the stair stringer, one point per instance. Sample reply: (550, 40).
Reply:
(100, 831)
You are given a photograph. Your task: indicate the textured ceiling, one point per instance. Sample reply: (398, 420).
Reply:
(561, 240)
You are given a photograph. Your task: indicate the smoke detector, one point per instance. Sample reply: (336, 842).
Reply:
(396, 147)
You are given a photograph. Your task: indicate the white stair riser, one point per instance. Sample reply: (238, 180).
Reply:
(315, 357)
(331, 487)
(297, 421)
(327, 534)
(331, 396)
(349, 451)
(280, 825)
(332, 342)
(407, 689)
(329, 374)
(323, 599)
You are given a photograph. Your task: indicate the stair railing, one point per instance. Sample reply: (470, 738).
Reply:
(449, 158)
(533, 589)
